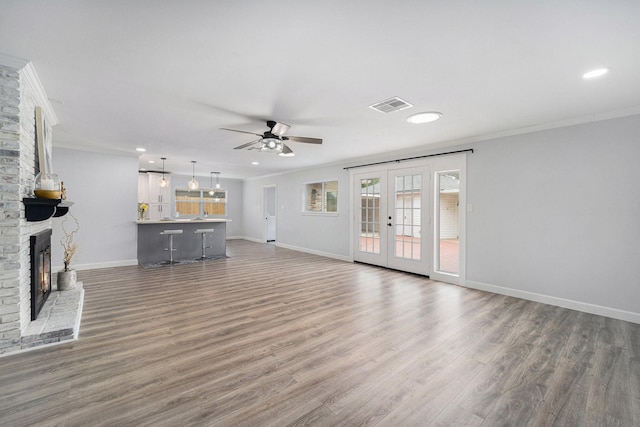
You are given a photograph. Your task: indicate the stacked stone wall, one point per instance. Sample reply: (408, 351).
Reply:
(17, 175)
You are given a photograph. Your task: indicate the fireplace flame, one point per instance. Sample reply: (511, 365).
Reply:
(46, 266)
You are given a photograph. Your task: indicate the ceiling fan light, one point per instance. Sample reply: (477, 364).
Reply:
(270, 144)
(290, 154)
(426, 117)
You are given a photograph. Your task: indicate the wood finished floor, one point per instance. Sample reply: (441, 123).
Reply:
(273, 337)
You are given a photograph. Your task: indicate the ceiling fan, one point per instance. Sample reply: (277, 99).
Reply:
(273, 140)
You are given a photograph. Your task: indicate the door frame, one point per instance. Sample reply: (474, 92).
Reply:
(434, 165)
(422, 266)
(265, 212)
(369, 257)
(444, 164)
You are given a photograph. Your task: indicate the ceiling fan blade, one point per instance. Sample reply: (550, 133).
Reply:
(279, 128)
(286, 150)
(242, 131)
(305, 139)
(248, 144)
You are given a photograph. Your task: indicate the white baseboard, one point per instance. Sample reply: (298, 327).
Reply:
(559, 302)
(299, 249)
(252, 239)
(95, 265)
(314, 252)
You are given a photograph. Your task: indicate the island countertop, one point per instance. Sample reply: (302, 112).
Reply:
(181, 221)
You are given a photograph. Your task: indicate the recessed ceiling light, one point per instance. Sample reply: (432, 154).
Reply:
(429, 116)
(152, 161)
(255, 163)
(595, 73)
(140, 149)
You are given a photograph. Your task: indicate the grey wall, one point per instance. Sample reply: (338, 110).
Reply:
(557, 213)
(104, 190)
(314, 233)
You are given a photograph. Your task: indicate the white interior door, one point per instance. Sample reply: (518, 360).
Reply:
(370, 232)
(269, 203)
(408, 219)
(391, 224)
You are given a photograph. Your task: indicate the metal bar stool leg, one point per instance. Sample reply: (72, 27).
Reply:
(170, 233)
(203, 232)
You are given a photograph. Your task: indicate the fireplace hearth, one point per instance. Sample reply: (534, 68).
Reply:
(40, 271)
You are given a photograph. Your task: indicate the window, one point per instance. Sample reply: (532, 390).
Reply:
(201, 202)
(321, 197)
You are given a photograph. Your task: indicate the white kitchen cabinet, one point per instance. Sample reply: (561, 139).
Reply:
(143, 188)
(158, 198)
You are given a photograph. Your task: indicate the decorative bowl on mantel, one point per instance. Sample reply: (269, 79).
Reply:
(48, 194)
(47, 186)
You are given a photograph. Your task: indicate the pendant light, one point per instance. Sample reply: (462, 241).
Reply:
(217, 182)
(193, 184)
(163, 182)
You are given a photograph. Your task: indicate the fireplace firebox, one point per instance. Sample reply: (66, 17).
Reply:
(40, 271)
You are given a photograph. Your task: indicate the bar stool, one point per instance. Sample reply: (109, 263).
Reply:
(170, 233)
(203, 232)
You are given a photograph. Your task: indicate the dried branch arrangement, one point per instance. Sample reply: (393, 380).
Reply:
(67, 242)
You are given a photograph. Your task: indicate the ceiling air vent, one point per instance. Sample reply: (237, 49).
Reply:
(390, 105)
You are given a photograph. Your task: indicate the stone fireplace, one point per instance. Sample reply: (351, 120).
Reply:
(20, 93)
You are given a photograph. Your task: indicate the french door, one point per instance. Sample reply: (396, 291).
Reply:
(392, 218)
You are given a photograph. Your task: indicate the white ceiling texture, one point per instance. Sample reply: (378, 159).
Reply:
(167, 75)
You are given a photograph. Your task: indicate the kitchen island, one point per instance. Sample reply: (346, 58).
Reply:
(188, 245)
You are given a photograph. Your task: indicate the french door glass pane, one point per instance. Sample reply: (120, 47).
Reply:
(449, 185)
(370, 215)
(407, 216)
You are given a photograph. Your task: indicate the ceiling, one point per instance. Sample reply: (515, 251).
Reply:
(167, 75)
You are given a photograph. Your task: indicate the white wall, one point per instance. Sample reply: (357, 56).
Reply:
(449, 215)
(104, 190)
(328, 235)
(557, 213)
